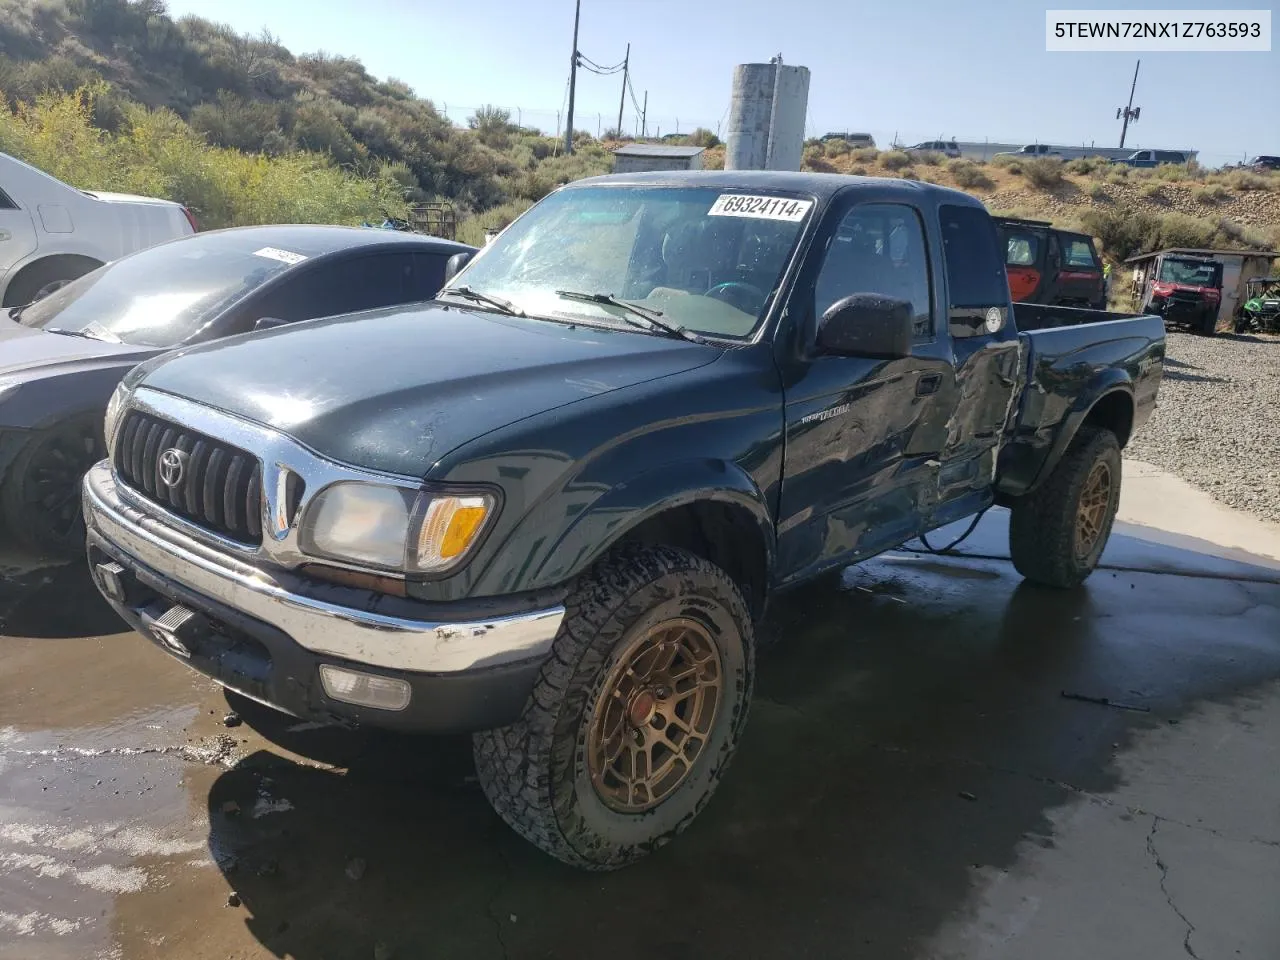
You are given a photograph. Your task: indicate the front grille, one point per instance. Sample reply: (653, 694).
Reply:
(219, 487)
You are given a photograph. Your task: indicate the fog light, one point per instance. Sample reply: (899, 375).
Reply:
(110, 576)
(364, 689)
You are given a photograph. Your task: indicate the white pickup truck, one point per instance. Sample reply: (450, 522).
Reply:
(52, 233)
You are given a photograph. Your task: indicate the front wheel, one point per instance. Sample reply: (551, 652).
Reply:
(634, 717)
(40, 499)
(1057, 533)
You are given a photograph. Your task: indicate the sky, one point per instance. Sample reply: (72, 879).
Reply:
(914, 69)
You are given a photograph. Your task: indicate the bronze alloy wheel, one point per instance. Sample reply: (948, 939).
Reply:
(656, 709)
(1091, 514)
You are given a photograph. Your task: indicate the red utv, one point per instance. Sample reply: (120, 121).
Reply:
(1186, 291)
(1051, 266)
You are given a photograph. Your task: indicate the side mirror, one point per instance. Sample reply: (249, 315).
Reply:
(268, 323)
(455, 264)
(867, 325)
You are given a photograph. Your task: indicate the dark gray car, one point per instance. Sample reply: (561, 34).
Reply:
(62, 356)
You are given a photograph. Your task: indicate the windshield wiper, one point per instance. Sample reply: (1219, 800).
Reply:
(652, 318)
(475, 296)
(91, 332)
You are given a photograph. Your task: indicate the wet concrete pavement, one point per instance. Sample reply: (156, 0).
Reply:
(912, 784)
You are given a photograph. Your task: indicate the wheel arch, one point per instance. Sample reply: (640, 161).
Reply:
(711, 508)
(51, 265)
(1111, 406)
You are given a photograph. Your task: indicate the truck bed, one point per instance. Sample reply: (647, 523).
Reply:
(1039, 316)
(1074, 358)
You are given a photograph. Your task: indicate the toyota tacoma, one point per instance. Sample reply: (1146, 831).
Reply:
(549, 506)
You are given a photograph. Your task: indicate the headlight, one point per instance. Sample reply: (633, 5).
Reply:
(115, 407)
(394, 527)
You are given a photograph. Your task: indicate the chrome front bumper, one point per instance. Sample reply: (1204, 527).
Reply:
(439, 646)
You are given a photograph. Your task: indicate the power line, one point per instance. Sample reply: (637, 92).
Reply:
(632, 91)
(588, 64)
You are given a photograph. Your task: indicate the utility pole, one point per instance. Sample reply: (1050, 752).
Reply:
(626, 65)
(1129, 112)
(644, 129)
(573, 76)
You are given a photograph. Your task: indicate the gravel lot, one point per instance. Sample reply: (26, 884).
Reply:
(1217, 420)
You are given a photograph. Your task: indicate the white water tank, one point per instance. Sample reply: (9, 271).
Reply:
(766, 116)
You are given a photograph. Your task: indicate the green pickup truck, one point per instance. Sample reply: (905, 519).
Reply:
(550, 506)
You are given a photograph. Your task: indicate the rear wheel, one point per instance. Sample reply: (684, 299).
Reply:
(634, 718)
(1057, 533)
(44, 277)
(40, 499)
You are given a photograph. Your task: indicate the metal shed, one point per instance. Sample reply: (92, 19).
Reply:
(640, 157)
(1237, 267)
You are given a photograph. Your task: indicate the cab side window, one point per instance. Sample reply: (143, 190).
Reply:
(975, 263)
(878, 248)
(1077, 252)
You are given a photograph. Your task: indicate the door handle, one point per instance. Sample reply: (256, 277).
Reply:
(928, 383)
(5, 235)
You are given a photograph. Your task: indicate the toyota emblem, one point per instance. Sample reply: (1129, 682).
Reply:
(172, 464)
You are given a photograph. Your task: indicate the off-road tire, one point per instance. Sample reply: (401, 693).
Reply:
(80, 443)
(1042, 525)
(535, 771)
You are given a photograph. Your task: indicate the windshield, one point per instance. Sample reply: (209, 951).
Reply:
(161, 296)
(1192, 273)
(704, 259)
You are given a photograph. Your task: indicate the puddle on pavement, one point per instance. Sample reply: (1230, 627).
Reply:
(101, 773)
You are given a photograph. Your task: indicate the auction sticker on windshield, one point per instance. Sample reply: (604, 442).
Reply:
(762, 208)
(284, 256)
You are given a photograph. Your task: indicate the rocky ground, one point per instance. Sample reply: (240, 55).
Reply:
(1251, 209)
(1217, 421)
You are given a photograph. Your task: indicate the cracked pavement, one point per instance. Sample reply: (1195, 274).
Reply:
(912, 784)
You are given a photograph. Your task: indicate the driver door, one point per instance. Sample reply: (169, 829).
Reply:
(860, 433)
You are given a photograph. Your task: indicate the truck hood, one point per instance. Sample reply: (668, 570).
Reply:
(396, 389)
(26, 352)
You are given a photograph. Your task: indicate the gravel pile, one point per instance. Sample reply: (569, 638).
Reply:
(1217, 420)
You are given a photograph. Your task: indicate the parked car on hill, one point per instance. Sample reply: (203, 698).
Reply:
(947, 147)
(855, 140)
(52, 233)
(1032, 150)
(61, 356)
(1153, 158)
(1265, 163)
(550, 505)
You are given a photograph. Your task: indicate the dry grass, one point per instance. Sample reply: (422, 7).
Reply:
(967, 175)
(1211, 193)
(895, 160)
(1044, 173)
